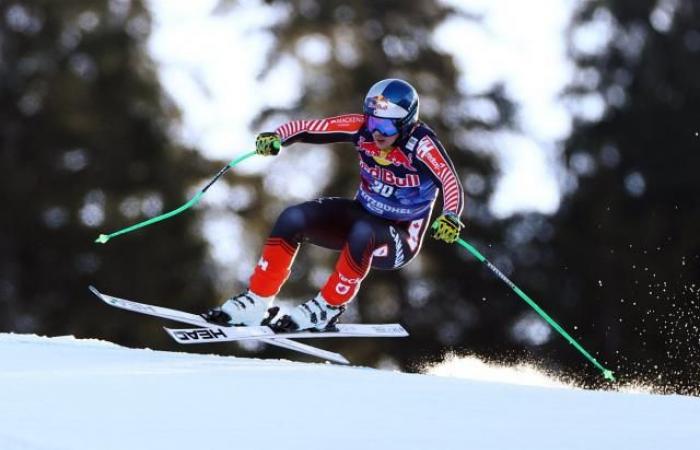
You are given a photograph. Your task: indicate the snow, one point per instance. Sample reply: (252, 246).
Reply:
(70, 394)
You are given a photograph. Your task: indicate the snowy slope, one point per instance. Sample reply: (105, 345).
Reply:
(68, 394)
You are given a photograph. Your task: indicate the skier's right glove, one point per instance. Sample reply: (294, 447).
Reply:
(268, 144)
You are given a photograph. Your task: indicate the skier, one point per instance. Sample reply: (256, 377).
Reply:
(402, 167)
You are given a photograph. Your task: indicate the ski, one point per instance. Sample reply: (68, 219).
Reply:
(193, 319)
(228, 334)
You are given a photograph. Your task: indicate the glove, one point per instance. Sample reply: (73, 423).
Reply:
(446, 228)
(267, 144)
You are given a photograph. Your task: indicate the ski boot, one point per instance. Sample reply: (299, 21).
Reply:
(245, 309)
(314, 315)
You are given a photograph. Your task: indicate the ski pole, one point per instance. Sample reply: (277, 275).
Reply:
(103, 238)
(607, 374)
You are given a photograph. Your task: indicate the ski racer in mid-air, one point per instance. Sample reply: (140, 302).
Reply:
(403, 165)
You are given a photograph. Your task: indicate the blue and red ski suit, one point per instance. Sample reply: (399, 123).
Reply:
(382, 227)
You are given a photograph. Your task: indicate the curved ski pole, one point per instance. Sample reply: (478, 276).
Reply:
(607, 374)
(103, 238)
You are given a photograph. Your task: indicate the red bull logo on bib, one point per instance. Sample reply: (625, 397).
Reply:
(394, 156)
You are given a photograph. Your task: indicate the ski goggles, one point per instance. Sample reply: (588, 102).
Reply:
(387, 127)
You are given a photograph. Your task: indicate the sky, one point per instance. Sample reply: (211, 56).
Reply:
(66, 393)
(209, 65)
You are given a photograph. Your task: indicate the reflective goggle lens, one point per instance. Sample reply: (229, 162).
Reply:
(387, 127)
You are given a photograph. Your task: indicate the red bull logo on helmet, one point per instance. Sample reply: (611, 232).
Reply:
(381, 106)
(379, 102)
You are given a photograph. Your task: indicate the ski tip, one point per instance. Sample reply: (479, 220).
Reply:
(94, 290)
(102, 239)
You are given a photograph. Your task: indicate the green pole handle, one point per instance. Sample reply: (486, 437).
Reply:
(103, 238)
(607, 374)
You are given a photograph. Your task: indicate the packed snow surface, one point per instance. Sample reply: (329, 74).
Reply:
(70, 394)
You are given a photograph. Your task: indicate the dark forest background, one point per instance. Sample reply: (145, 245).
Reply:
(86, 146)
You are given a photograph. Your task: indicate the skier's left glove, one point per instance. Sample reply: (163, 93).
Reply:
(267, 144)
(446, 228)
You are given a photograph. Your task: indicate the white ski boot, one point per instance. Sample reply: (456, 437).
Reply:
(244, 309)
(314, 315)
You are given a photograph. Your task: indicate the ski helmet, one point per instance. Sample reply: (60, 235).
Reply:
(393, 99)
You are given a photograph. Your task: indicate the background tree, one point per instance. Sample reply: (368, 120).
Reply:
(626, 247)
(85, 147)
